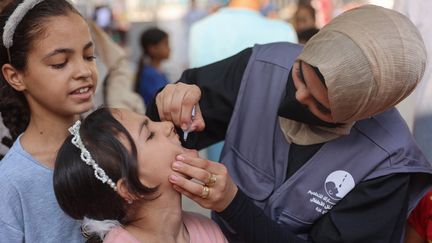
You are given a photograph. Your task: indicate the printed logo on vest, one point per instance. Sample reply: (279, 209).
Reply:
(338, 184)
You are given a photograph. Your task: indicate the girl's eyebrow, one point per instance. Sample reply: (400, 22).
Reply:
(88, 45)
(59, 51)
(319, 104)
(67, 50)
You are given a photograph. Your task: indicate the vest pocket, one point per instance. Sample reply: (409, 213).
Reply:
(297, 226)
(254, 182)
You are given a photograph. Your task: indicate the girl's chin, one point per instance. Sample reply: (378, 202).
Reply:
(83, 108)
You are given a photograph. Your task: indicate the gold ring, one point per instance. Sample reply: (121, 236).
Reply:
(211, 180)
(205, 192)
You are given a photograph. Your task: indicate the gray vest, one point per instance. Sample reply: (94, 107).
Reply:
(256, 152)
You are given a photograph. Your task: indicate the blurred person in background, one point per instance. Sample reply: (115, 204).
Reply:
(230, 30)
(304, 19)
(419, 118)
(155, 49)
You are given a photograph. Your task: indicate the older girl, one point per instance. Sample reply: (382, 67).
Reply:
(48, 77)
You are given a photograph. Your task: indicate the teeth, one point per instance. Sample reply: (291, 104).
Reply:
(83, 90)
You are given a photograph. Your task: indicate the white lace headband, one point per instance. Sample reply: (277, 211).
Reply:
(87, 158)
(13, 21)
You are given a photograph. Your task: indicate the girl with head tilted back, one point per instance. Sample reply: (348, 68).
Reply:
(114, 169)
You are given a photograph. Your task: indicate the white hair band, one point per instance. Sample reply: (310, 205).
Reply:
(87, 158)
(13, 21)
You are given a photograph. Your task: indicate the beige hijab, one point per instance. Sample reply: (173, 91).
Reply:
(371, 59)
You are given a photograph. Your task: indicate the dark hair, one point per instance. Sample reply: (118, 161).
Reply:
(14, 107)
(305, 35)
(79, 193)
(309, 8)
(3, 4)
(149, 38)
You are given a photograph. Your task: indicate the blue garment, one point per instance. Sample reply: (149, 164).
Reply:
(227, 32)
(28, 208)
(151, 80)
(231, 30)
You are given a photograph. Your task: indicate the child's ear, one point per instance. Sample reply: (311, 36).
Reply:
(123, 191)
(13, 77)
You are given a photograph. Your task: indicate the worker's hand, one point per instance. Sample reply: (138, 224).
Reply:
(210, 186)
(175, 103)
